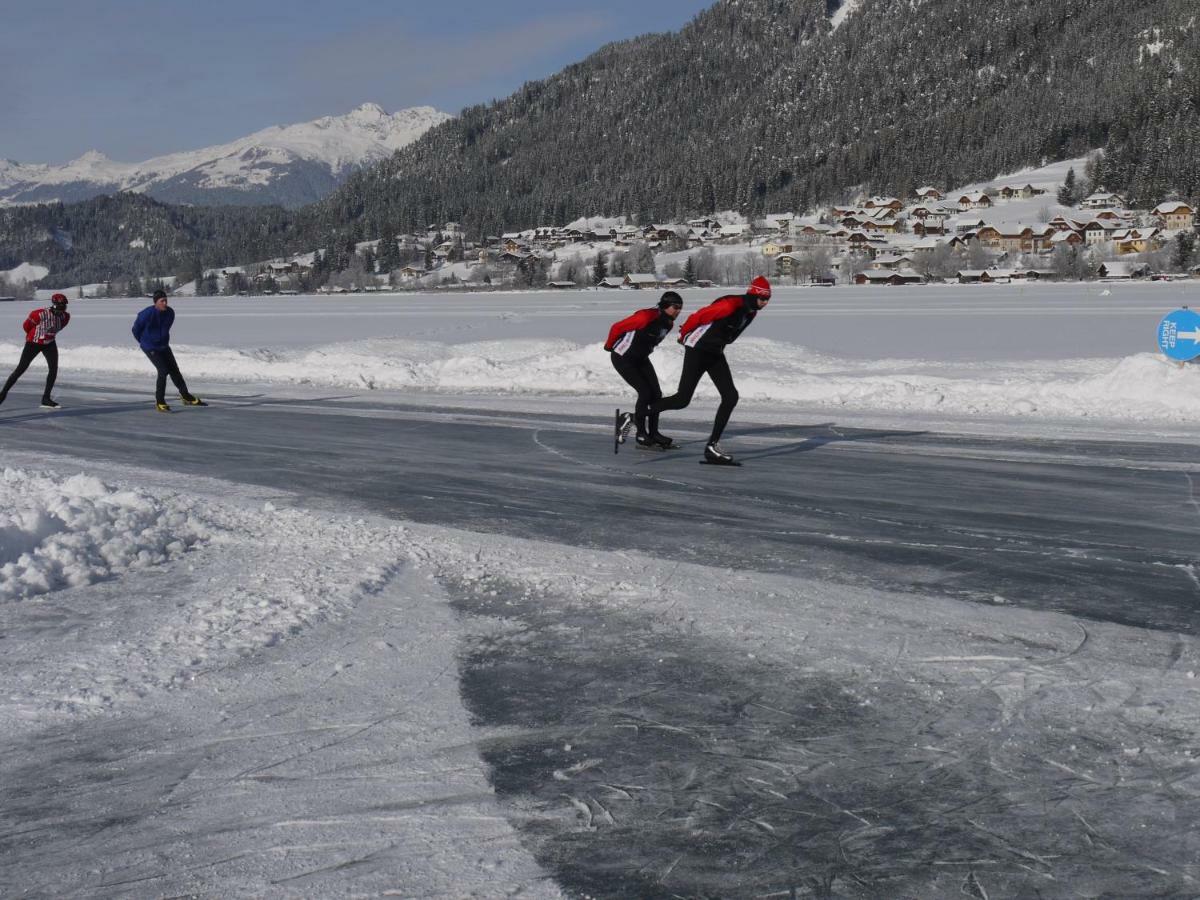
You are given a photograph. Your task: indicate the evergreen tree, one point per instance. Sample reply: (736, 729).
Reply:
(1067, 191)
(689, 271)
(600, 269)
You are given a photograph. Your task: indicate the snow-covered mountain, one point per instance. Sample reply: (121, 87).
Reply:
(289, 164)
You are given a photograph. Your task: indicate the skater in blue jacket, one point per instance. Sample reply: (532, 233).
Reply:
(152, 328)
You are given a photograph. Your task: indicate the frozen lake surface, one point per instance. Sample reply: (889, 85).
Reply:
(942, 322)
(432, 637)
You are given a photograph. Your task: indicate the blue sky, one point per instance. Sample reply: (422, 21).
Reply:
(137, 78)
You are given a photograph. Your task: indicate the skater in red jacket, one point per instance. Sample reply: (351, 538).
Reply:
(630, 343)
(705, 335)
(41, 328)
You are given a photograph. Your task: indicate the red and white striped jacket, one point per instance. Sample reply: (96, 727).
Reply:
(43, 325)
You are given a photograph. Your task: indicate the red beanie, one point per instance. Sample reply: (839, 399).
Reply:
(760, 287)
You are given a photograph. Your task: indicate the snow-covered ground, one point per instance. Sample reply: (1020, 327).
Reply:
(218, 689)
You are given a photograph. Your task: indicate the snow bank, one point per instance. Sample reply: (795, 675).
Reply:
(57, 533)
(1142, 387)
(157, 587)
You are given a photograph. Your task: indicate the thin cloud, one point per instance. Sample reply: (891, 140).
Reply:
(406, 68)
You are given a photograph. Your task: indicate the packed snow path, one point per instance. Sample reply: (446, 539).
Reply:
(701, 737)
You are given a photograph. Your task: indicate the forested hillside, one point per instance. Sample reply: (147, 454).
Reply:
(131, 235)
(759, 105)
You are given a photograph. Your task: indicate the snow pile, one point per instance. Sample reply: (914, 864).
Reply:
(159, 588)
(1142, 387)
(58, 533)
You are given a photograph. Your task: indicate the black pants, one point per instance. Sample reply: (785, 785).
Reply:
(164, 362)
(28, 354)
(696, 363)
(640, 375)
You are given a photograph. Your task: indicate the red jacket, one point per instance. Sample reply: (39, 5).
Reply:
(714, 326)
(636, 337)
(43, 325)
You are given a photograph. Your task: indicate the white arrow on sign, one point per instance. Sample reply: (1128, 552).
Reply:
(1189, 335)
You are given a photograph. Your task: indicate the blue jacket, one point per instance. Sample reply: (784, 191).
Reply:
(153, 328)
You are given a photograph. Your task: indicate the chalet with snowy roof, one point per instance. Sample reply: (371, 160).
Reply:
(963, 224)
(812, 233)
(891, 261)
(929, 194)
(1122, 271)
(1015, 237)
(1018, 192)
(774, 248)
(891, 203)
(891, 277)
(611, 283)
(666, 232)
(926, 227)
(703, 224)
(733, 232)
(1103, 200)
(786, 263)
(1174, 215)
(1068, 223)
(975, 276)
(1137, 240)
(561, 285)
(1099, 231)
(974, 200)
(641, 280)
(1066, 239)
(932, 244)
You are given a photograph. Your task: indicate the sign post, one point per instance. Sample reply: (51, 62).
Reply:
(1179, 335)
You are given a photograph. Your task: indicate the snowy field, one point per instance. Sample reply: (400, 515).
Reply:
(389, 618)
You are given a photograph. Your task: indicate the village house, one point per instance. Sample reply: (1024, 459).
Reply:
(1065, 239)
(1136, 240)
(640, 281)
(974, 200)
(883, 203)
(786, 263)
(774, 248)
(924, 228)
(1122, 271)
(1098, 231)
(976, 276)
(812, 233)
(1174, 215)
(1102, 199)
(891, 261)
(1019, 192)
(929, 194)
(890, 277)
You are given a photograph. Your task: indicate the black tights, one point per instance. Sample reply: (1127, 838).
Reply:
(28, 354)
(640, 375)
(164, 362)
(696, 363)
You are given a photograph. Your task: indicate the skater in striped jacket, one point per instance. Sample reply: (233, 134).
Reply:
(41, 329)
(630, 343)
(705, 335)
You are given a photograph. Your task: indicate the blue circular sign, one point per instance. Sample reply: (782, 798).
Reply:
(1179, 334)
